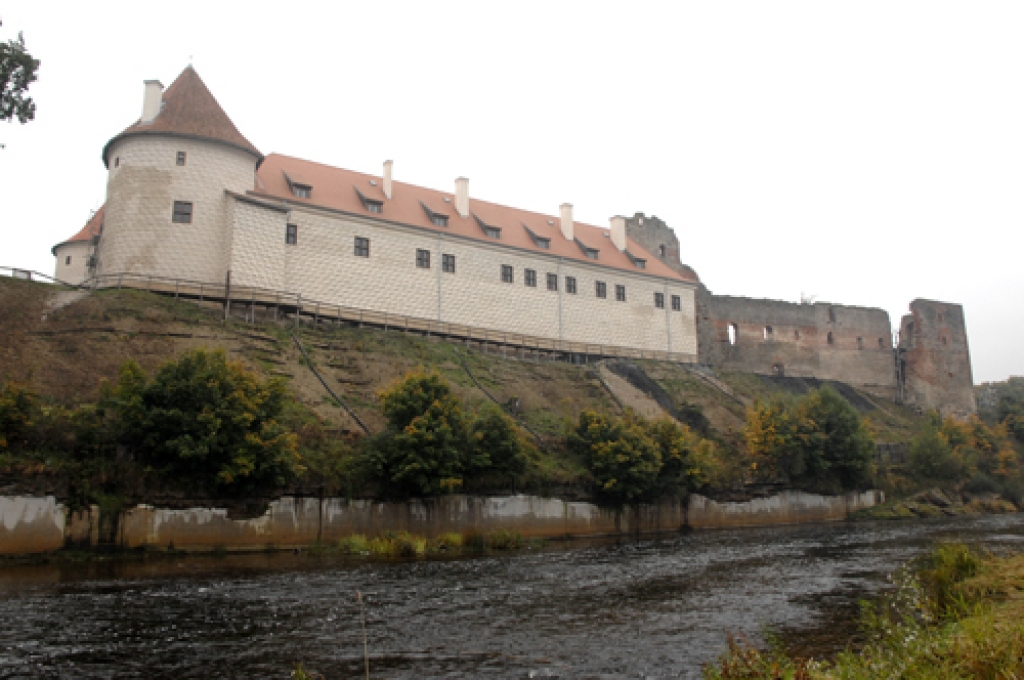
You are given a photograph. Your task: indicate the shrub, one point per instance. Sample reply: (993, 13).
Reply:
(203, 421)
(819, 441)
(503, 539)
(356, 544)
(19, 411)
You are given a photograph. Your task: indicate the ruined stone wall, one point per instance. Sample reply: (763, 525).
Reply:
(935, 360)
(821, 340)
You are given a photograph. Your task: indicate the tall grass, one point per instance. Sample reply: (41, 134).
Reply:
(954, 614)
(404, 544)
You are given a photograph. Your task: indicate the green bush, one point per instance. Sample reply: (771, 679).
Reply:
(818, 441)
(203, 422)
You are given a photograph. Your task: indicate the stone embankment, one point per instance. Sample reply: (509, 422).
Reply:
(31, 524)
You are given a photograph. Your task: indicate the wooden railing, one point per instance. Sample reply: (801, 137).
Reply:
(295, 305)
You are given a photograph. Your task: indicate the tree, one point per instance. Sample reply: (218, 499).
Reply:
(203, 421)
(19, 409)
(17, 72)
(817, 441)
(622, 457)
(424, 451)
(495, 445)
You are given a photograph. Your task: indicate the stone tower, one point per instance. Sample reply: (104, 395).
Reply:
(169, 174)
(933, 360)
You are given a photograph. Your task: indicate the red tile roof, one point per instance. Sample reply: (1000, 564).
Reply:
(91, 228)
(336, 189)
(189, 110)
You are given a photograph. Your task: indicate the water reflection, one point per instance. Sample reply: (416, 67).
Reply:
(654, 608)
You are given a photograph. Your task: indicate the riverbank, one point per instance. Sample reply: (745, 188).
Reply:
(956, 613)
(31, 524)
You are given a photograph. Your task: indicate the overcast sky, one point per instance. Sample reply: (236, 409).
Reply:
(865, 153)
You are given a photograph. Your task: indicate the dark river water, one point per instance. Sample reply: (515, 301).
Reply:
(644, 609)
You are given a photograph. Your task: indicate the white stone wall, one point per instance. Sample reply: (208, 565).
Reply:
(322, 267)
(144, 181)
(71, 259)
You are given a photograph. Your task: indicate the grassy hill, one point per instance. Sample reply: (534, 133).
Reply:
(65, 353)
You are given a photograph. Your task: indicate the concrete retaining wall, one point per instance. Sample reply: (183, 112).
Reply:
(789, 507)
(35, 525)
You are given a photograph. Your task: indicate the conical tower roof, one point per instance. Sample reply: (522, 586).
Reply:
(189, 110)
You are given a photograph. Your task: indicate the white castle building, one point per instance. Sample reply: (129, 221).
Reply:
(190, 199)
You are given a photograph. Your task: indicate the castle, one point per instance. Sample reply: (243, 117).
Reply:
(189, 198)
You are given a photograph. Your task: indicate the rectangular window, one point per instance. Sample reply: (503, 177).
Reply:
(182, 213)
(302, 191)
(677, 304)
(181, 158)
(448, 263)
(530, 277)
(374, 207)
(570, 285)
(439, 220)
(602, 289)
(67, 260)
(506, 273)
(552, 281)
(491, 232)
(544, 243)
(620, 293)
(362, 247)
(422, 258)
(659, 300)
(291, 234)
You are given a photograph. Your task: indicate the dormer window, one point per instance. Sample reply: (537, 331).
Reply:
(539, 241)
(638, 262)
(490, 231)
(591, 253)
(437, 219)
(302, 191)
(371, 204)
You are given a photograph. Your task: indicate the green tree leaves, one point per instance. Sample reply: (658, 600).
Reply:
(17, 72)
(818, 441)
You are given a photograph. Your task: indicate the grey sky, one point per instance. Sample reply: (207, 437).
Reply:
(866, 153)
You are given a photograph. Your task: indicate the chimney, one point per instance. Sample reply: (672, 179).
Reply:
(462, 196)
(151, 100)
(567, 230)
(387, 180)
(618, 232)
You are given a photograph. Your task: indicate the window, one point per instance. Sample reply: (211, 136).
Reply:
(362, 248)
(439, 220)
(881, 343)
(796, 335)
(552, 281)
(620, 293)
(570, 285)
(734, 334)
(639, 263)
(661, 251)
(182, 213)
(492, 232)
(860, 343)
(291, 234)
(506, 273)
(181, 158)
(831, 338)
(769, 333)
(544, 243)
(374, 207)
(448, 263)
(659, 300)
(602, 289)
(677, 304)
(67, 260)
(422, 258)
(117, 162)
(591, 253)
(302, 190)
(530, 277)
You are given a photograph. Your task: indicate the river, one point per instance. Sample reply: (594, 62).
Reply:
(604, 609)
